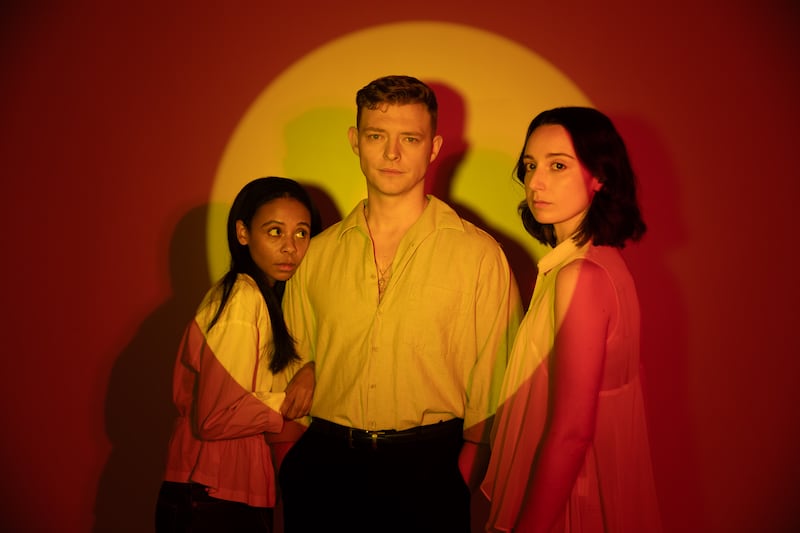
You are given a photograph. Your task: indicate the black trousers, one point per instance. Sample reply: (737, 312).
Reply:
(187, 508)
(329, 484)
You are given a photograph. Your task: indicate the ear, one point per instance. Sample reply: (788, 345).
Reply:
(436, 145)
(352, 136)
(242, 234)
(595, 184)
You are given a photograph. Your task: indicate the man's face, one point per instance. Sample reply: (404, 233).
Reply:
(395, 144)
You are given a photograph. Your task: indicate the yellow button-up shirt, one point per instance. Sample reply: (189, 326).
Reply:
(433, 348)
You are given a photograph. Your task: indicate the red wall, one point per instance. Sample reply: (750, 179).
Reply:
(113, 121)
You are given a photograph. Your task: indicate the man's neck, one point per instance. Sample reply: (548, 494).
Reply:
(392, 215)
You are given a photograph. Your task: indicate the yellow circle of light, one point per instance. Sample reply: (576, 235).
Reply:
(297, 127)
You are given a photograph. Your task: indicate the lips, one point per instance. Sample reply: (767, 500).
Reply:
(286, 267)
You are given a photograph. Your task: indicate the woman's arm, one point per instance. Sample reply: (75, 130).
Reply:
(584, 300)
(226, 406)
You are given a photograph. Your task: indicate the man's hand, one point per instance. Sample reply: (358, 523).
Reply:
(473, 462)
(299, 393)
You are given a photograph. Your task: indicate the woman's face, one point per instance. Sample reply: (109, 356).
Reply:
(558, 188)
(278, 237)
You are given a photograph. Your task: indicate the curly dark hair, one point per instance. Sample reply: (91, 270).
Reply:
(397, 90)
(614, 215)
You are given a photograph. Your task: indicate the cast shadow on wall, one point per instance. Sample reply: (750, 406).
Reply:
(439, 181)
(664, 344)
(139, 412)
(328, 212)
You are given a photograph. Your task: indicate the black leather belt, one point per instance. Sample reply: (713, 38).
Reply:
(358, 438)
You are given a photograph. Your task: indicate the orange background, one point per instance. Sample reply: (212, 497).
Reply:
(113, 121)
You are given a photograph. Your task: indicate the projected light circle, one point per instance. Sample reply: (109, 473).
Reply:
(297, 127)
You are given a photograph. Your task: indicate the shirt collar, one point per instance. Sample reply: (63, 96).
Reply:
(558, 255)
(437, 215)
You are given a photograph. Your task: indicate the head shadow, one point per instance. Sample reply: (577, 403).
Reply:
(442, 173)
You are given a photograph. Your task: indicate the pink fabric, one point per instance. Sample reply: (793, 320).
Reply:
(227, 399)
(615, 489)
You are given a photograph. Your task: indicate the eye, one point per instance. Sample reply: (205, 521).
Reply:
(274, 232)
(412, 140)
(373, 136)
(530, 167)
(557, 165)
(301, 234)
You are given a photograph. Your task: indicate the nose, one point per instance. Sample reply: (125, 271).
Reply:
(392, 150)
(534, 180)
(289, 246)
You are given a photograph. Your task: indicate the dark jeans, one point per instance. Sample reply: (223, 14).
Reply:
(187, 508)
(329, 485)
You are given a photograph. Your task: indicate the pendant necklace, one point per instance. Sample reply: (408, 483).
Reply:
(384, 275)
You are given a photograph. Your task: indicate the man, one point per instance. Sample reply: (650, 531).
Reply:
(405, 313)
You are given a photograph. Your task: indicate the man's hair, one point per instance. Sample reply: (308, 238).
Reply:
(613, 215)
(397, 90)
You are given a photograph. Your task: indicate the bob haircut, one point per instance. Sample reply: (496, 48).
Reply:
(613, 216)
(397, 90)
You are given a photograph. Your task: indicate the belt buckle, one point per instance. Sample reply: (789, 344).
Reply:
(373, 437)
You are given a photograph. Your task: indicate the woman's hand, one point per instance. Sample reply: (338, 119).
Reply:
(299, 393)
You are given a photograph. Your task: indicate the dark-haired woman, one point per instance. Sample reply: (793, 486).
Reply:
(570, 448)
(235, 360)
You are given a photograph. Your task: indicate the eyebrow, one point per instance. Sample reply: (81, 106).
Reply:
(281, 223)
(370, 129)
(551, 154)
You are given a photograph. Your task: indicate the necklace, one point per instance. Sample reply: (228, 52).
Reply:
(383, 277)
(384, 274)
